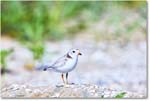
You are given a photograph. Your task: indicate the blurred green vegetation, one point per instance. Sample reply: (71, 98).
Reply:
(40, 20)
(4, 54)
(37, 49)
(33, 22)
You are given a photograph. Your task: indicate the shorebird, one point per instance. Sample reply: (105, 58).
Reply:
(65, 64)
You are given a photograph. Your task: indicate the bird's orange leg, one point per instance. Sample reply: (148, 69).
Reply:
(62, 76)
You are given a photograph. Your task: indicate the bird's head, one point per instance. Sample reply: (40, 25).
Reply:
(74, 53)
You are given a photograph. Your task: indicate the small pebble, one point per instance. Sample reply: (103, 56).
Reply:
(106, 96)
(92, 91)
(15, 87)
(23, 86)
(56, 95)
(28, 90)
(107, 92)
(36, 91)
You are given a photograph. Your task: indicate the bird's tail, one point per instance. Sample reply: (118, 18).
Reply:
(43, 67)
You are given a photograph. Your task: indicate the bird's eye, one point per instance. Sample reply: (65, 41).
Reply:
(73, 51)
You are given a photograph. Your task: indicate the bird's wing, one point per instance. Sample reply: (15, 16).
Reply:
(60, 62)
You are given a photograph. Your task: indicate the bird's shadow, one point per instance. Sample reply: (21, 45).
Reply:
(63, 85)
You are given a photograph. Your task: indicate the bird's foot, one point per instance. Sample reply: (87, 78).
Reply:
(68, 84)
(59, 86)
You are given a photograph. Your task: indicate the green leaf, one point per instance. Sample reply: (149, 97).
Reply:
(120, 95)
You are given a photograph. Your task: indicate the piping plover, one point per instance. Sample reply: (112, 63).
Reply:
(65, 64)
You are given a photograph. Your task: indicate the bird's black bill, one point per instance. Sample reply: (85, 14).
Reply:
(79, 54)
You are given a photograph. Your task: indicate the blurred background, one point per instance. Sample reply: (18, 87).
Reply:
(110, 35)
